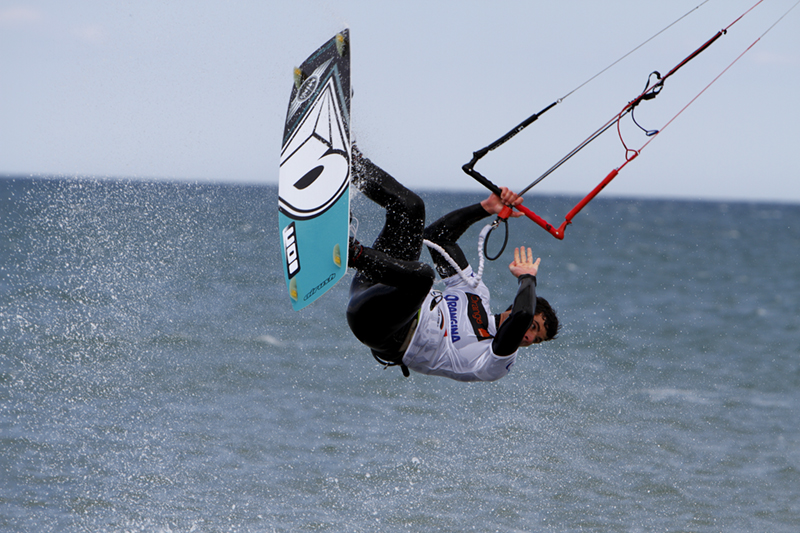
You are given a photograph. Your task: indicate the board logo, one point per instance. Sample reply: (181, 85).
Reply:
(315, 162)
(320, 286)
(307, 89)
(290, 249)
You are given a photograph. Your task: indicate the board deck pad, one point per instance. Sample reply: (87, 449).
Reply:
(314, 178)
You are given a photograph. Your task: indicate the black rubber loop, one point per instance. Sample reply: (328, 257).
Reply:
(486, 241)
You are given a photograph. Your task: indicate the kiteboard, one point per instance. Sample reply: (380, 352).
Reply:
(314, 178)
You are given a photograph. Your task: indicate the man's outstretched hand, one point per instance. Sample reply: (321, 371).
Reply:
(523, 263)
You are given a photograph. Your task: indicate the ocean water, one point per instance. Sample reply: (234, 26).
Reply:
(153, 376)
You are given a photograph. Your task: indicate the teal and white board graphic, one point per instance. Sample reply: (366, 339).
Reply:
(314, 181)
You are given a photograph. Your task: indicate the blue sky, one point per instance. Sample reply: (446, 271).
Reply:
(199, 90)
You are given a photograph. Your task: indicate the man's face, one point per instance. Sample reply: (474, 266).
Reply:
(536, 333)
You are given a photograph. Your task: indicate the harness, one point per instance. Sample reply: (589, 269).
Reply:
(472, 281)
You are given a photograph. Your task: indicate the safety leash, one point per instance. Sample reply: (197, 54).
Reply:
(476, 277)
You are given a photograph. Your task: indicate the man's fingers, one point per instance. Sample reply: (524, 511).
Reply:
(529, 259)
(524, 257)
(510, 197)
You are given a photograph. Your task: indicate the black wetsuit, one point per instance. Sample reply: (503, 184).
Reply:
(392, 283)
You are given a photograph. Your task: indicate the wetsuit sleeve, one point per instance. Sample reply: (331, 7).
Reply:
(514, 327)
(446, 231)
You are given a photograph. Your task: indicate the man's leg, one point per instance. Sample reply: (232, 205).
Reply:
(401, 236)
(391, 284)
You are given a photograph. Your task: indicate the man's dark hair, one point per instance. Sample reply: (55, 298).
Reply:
(551, 325)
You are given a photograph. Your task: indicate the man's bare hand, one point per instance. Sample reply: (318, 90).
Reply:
(494, 204)
(523, 263)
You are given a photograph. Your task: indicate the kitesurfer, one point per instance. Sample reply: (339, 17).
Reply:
(394, 311)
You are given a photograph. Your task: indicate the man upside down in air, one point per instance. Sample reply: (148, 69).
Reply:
(394, 311)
